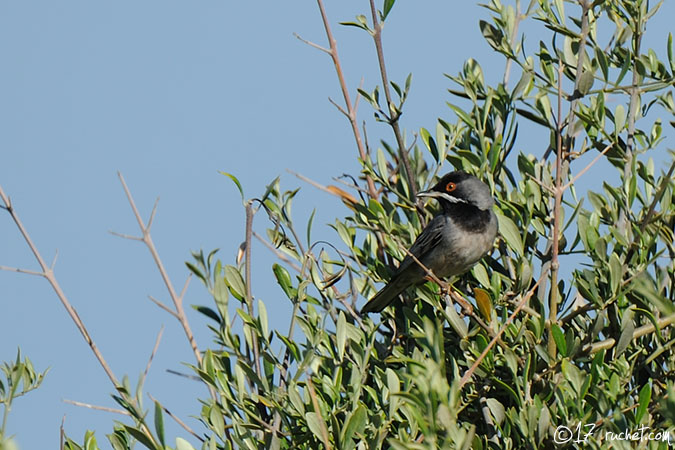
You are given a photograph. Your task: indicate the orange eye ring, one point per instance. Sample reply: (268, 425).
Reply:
(450, 186)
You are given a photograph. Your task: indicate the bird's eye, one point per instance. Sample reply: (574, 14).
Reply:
(450, 187)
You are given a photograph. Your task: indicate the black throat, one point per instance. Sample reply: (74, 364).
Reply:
(468, 217)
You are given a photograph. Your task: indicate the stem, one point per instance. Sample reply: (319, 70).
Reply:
(377, 38)
(5, 414)
(351, 109)
(633, 103)
(555, 238)
(249, 297)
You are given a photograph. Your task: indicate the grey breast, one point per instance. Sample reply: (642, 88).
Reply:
(461, 249)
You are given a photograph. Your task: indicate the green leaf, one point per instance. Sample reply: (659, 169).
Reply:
(284, 279)
(236, 181)
(645, 398)
(615, 272)
(619, 119)
(510, 233)
(341, 335)
(355, 424)
(182, 444)
(140, 436)
(382, 165)
(671, 58)
(559, 338)
(235, 282)
(602, 62)
(159, 423)
(313, 422)
(217, 421)
(388, 4)
(262, 317)
(430, 144)
(208, 312)
(627, 329)
(585, 82)
(309, 227)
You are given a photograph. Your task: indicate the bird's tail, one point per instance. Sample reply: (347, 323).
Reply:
(385, 296)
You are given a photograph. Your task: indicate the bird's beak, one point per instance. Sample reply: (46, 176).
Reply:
(432, 194)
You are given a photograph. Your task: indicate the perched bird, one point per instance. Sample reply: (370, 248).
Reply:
(460, 235)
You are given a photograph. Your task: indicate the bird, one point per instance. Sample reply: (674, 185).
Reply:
(452, 242)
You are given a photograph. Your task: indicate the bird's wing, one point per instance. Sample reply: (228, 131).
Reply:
(430, 237)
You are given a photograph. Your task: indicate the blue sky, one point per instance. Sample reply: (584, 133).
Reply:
(169, 93)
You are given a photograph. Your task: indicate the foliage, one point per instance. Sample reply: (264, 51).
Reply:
(20, 378)
(574, 333)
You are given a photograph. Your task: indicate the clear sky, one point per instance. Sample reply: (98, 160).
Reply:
(169, 93)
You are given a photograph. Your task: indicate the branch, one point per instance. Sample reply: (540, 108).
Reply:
(377, 38)
(351, 110)
(639, 332)
(48, 274)
(96, 407)
(180, 422)
(249, 296)
(147, 240)
(520, 306)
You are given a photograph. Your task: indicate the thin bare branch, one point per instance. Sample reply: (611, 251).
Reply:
(48, 274)
(588, 166)
(152, 214)
(377, 38)
(340, 108)
(312, 44)
(637, 333)
(163, 306)
(184, 375)
(276, 251)
(487, 349)
(333, 52)
(62, 433)
(126, 236)
(184, 290)
(180, 422)
(147, 240)
(152, 356)
(56, 256)
(96, 407)
(19, 270)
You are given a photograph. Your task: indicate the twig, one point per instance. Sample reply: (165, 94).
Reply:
(520, 306)
(184, 375)
(639, 332)
(177, 300)
(588, 166)
(377, 38)
(312, 44)
(555, 227)
(276, 251)
(180, 422)
(96, 407)
(351, 110)
(163, 306)
(62, 433)
(152, 356)
(19, 270)
(249, 296)
(48, 274)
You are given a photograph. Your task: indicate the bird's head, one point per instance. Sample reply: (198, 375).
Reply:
(460, 187)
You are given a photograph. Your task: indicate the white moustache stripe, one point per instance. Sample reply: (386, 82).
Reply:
(451, 199)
